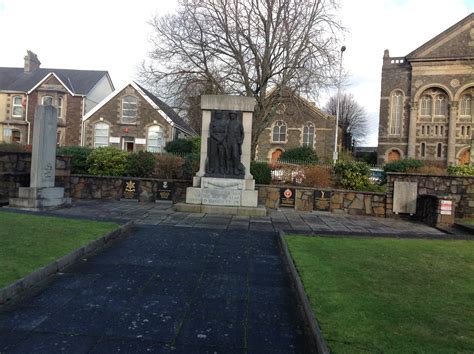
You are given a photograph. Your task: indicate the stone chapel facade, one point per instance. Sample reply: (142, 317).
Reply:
(426, 104)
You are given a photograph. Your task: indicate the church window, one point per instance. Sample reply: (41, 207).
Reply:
(396, 112)
(465, 106)
(439, 150)
(308, 135)
(423, 150)
(279, 132)
(425, 106)
(440, 105)
(155, 139)
(101, 135)
(129, 109)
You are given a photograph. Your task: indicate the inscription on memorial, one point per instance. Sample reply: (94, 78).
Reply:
(287, 197)
(221, 197)
(130, 190)
(165, 191)
(322, 200)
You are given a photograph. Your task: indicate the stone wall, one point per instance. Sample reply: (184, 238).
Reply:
(96, 187)
(342, 201)
(15, 172)
(460, 188)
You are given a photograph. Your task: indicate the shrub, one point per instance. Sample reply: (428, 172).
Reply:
(180, 146)
(196, 145)
(261, 172)
(432, 170)
(141, 164)
(78, 155)
(107, 161)
(300, 154)
(405, 165)
(317, 176)
(191, 165)
(14, 147)
(461, 170)
(352, 174)
(168, 166)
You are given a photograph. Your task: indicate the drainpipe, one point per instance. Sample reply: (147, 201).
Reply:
(26, 119)
(82, 122)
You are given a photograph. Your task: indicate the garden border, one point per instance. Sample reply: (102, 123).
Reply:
(308, 316)
(31, 280)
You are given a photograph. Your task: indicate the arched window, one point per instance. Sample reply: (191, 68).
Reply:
(47, 100)
(423, 150)
(465, 106)
(129, 109)
(440, 107)
(396, 112)
(279, 132)
(425, 106)
(155, 139)
(17, 107)
(101, 135)
(308, 135)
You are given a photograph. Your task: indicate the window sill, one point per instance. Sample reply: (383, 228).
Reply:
(279, 142)
(124, 123)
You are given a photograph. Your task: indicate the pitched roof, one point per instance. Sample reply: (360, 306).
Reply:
(79, 82)
(166, 111)
(438, 39)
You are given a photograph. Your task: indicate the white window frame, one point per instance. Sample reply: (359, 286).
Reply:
(16, 105)
(425, 106)
(396, 112)
(160, 140)
(465, 106)
(129, 114)
(440, 105)
(279, 129)
(101, 126)
(60, 107)
(308, 135)
(43, 98)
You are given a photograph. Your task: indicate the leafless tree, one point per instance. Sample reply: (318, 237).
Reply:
(353, 119)
(245, 47)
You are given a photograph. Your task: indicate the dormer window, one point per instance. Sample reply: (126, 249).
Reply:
(129, 109)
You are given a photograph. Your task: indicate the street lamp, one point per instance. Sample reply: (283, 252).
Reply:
(338, 99)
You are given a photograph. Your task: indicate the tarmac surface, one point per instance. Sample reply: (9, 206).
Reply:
(180, 283)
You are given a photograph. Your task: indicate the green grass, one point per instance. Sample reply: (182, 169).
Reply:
(389, 295)
(28, 242)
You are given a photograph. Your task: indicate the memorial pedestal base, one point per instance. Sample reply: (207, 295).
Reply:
(39, 198)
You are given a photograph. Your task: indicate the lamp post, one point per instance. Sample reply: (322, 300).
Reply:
(338, 99)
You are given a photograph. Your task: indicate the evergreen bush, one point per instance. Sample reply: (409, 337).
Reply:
(180, 146)
(79, 156)
(141, 164)
(107, 161)
(461, 170)
(353, 175)
(261, 172)
(404, 165)
(300, 154)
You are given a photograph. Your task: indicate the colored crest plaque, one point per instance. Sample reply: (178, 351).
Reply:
(287, 197)
(130, 189)
(165, 191)
(322, 200)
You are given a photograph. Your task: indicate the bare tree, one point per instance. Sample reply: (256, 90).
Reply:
(246, 47)
(353, 119)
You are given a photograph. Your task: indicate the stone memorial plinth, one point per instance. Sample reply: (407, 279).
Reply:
(42, 194)
(223, 183)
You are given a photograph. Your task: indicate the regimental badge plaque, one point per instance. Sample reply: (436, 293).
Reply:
(130, 189)
(165, 191)
(287, 197)
(322, 200)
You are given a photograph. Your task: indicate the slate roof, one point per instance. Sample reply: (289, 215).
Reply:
(170, 112)
(79, 82)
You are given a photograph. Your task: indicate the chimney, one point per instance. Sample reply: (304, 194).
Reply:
(31, 62)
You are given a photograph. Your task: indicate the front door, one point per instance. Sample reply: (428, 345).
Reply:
(128, 143)
(465, 157)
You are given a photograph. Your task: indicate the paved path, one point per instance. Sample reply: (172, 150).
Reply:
(164, 289)
(285, 219)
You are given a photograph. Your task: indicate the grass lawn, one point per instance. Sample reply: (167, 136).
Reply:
(389, 295)
(28, 242)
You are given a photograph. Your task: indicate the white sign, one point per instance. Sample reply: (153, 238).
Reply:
(114, 140)
(140, 141)
(7, 132)
(445, 212)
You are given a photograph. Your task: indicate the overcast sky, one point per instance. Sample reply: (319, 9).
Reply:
(113, 36)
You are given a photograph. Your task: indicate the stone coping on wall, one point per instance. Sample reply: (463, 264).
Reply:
(140, 178)
(425, 175)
